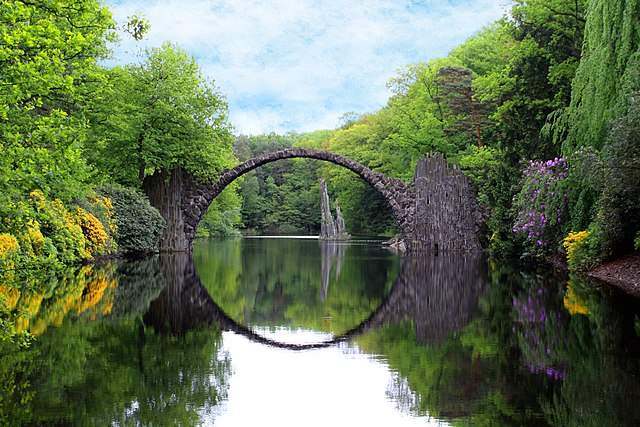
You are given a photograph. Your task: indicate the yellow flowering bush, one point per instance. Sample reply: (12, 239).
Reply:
(101, 207)
(41, 235)
(8, 253)
(573, 241)
(94, 232)
(8, 248)
(36, 238)
(582, 250)
(8, 244)
(61, 229)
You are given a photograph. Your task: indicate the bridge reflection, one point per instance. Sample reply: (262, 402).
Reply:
(438, 294)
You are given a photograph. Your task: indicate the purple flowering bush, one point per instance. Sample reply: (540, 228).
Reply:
(541, 204)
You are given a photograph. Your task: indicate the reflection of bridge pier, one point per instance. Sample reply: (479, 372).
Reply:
(439, 294)
(183, 304)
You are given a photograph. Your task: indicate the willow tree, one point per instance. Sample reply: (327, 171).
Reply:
(594, 124)
(609, 72)
(163, 123)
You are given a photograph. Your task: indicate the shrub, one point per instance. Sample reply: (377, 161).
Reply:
(63, 236)
(139, 225)
(102, 208)
(619, 210)
(48, 236)
(583, 249)
(97, 237)
(8, 246)
(541, 204)
(8, 255)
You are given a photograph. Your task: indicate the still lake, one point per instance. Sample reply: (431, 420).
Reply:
(297, 332)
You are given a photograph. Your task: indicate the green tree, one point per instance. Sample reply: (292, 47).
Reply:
(159, 116)
(50, 78)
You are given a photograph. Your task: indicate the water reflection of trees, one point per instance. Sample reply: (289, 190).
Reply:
(117, 370)
(281, 282)
(522, 358)
(507, 348)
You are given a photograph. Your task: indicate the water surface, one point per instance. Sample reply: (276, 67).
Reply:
(293, 332)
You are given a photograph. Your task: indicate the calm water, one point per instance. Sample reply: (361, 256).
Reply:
(294, 332)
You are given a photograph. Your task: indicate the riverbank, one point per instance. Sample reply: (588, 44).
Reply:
(623, 273)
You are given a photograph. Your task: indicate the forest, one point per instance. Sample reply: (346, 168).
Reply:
(541, 109)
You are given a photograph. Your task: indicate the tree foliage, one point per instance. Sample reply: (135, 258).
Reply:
(49, 80)
(160, 115)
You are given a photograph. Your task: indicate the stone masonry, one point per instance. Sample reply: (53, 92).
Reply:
(437, 212)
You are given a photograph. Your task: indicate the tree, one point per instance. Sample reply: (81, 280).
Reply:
(161, 125)
(535, 83)
(49, 79)
(161, 115)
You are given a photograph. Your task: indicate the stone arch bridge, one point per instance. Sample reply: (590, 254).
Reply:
(437, 211)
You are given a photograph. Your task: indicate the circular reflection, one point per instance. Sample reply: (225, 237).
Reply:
(438, 294)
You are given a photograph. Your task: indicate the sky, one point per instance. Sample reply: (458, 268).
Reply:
(316, 388)
(300, 65)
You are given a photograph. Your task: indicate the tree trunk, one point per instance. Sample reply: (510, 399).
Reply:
(165, 190)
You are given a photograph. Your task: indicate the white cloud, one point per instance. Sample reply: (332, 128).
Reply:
(300, 64)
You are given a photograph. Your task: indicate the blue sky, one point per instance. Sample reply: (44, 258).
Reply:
(299, 65)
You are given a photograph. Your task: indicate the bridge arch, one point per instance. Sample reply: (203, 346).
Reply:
(197, 199)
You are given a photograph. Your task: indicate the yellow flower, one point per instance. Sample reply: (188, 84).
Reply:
(8, 245)
(8, 248)
(573, 242)
(107, 203)
(35, 236)
(38, 197)
(93, 230)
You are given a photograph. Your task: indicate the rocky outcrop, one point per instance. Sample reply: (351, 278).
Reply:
(330, 229)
